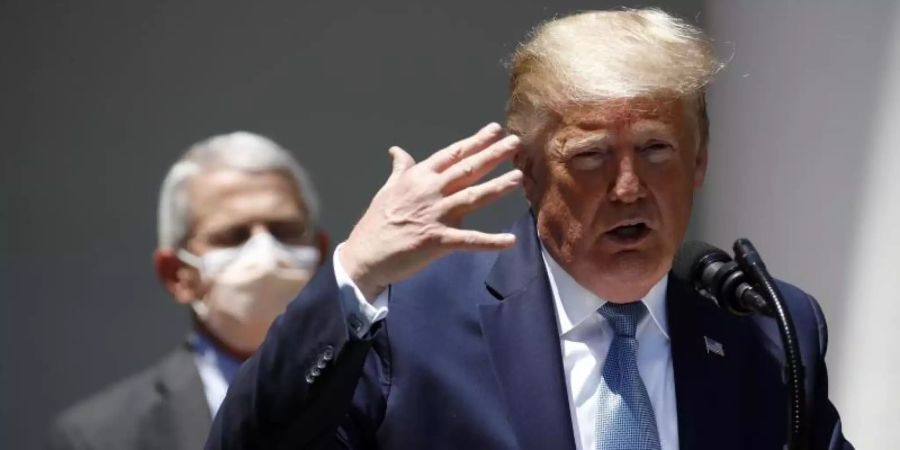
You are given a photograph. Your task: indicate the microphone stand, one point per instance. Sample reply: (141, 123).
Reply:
(753, 267)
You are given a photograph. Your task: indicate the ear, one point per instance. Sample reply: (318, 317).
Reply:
(322, 242)
(180, 279)
(700, 163)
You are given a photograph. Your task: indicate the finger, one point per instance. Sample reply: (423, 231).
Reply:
(401, 159)
(457, 239)
(471, 169)
(400, 162)
(456, 151)
(476, 197)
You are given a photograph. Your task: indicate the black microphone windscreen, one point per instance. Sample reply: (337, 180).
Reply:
(684, 265)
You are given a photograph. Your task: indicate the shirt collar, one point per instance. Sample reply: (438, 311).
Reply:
(212, 356)
(574, 303)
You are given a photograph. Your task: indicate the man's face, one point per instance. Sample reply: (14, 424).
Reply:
(613, 187)
(228, 207)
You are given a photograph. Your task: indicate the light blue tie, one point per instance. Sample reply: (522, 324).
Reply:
(625, 419)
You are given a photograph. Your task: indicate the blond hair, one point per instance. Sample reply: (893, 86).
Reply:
(594, 56)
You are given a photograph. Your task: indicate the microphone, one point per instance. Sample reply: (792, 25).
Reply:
(728, 283)
(716, 276)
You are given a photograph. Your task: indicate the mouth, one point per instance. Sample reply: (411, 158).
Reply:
(629, 232)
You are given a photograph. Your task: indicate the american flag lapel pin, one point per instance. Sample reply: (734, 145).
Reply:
(713, 346)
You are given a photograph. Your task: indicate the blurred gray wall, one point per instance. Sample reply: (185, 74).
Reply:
(804, 160)
(97, 98)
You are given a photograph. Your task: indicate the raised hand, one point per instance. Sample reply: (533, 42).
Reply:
(415, 217)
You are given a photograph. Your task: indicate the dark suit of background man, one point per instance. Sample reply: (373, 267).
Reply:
(568, 331)
(237, 242)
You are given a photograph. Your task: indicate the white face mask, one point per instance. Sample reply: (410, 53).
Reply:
(249, 286)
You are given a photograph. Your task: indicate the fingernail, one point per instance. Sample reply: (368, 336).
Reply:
(492, 127)
(512, 140)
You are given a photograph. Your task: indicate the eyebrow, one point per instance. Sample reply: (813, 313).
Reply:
(652, 128)
(600, 140)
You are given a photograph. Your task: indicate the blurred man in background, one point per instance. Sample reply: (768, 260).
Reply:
(237, 241)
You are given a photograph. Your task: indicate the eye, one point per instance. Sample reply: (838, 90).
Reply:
(230, 237)
(288, 232)
(588, 159)
(657, 152)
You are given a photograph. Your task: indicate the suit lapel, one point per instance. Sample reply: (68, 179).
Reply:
(521, 334)
(711, 360)
(713, 355)
(181, 420)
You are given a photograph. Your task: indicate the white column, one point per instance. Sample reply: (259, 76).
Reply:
(867, 381)
(805, 161)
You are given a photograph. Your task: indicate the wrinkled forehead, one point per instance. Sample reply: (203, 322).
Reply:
(672, 117)
(677, 112)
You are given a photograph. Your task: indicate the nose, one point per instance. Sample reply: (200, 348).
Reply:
(627, 186)
(258, 228)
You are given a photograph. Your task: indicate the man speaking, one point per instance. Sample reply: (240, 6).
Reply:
(566, 332)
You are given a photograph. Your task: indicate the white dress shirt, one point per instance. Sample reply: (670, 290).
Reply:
(585, 337)
(361, 314)
(216, 369)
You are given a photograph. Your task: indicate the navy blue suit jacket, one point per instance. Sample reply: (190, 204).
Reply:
(469, 358)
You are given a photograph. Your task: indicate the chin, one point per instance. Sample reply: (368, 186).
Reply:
(628, 276)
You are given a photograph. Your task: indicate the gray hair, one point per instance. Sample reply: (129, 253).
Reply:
(241, 150)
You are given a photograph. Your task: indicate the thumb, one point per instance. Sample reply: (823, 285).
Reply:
(401, 160)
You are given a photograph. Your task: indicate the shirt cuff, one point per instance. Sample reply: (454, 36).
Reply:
(360, 314)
